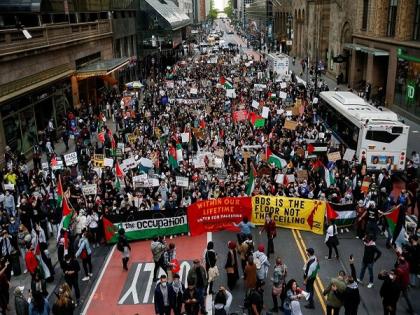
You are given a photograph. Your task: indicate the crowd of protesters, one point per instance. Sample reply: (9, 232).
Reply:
(190, 98)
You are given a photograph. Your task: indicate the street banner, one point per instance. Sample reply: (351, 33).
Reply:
(148, 224)
(291, 213)
(70, 159)
(217, 214)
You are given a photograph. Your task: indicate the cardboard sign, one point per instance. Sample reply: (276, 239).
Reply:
(349, 154)
(265, 112)
(71, 159)
(300, 152)
(246, 155)
(90, 189)
(302, 175)
(290, 124)
(108, 162)
(334, 156)
(181, 181)
(219, 153)
(98, 160)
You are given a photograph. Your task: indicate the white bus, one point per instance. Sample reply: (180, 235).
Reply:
(376, 135)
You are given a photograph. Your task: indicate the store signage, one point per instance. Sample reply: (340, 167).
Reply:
(411, 90)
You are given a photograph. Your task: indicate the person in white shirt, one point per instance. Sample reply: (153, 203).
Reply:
(92, 222)
(331, 240)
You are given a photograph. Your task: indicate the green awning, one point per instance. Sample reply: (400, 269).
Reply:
(374, 51)
(101, 67)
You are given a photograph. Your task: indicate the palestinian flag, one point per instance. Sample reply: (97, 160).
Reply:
(110, 230)
(60, 192)
(272, 95)
(394, 224)
(274, 159)
(251, 181)
(117, 183)
(329, 177)
(344, 215)
(222, 80)
(66, 215)
(228, 85)
(179, 156)
(118, 170)
(101, 137)
(257, 121)
(317, 165)
(53, 161)
(172, 157)
(317, 147)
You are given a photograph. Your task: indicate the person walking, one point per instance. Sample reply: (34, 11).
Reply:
(231, 265)
(39, 305)
(21, 303)
(222, 302)
(210, 259)
(245, 229)
(262, 263)
(402, 271)
(279, 283)
(158, 248)
(169, 257)
(311, 269)
(124, 247)
(85, 253)
(270, 228)
(370, 255)
(334, 293)
(164, 297)
(4, 285)
(256, 299)
(351, 297)
(331, 240)
(178, 298)
(390, 292)
(71, 270)
(197, 276)
(250, 275)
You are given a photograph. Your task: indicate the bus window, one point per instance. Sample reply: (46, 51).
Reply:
(397, 130)
(380, 136)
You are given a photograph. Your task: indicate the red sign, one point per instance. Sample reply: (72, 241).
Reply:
(218, 214)
(240, 115)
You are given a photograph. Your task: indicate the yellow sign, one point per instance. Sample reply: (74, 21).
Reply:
(291, 213)
(132, 138)
(98, 160)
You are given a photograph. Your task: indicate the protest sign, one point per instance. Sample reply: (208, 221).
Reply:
(230, 93)
(283, 85)
(90, 189)
(217, 214)
(349, 154)
(265, 112)
(10, 187)
(334, 156)
(70, 158)
(181, 181)
(170, 84)
(219, 153)
(185, 137)
(129, 163)
(139, 178)
(108, 162)
(290, 124)
(131, 138)
(302, 175)
(240, 115)
(149, 182)
(259, 87)
(98, 160)
(255, 104)
(283, 95)
(292, 213)
(193, 91)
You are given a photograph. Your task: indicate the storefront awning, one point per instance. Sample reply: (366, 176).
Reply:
(20, 6)
(170, 13)
(101, 68)
(34, 81)
(369, 50)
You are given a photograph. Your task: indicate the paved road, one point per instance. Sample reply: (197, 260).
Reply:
(290, 246)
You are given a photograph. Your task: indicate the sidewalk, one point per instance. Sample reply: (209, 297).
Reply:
(413, 138)
(98, 257)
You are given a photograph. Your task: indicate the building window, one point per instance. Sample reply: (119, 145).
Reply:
(365, 14)
(416, 29)
(392, 17)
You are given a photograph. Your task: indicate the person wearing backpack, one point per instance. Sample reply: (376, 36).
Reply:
(331, 240)
(158, 247)
(124, 248)
(222, 302)
(279, 282)
(261, 262)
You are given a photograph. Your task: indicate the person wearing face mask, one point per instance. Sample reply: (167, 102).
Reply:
(164, 297)
(390, 292)
(71, 270)
(179, 290)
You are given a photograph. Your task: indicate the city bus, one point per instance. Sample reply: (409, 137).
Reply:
(375, 135)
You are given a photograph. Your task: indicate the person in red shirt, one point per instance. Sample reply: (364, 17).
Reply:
(270, 228)
(31, 261)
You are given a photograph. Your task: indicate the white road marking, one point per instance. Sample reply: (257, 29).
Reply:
(98, 281)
